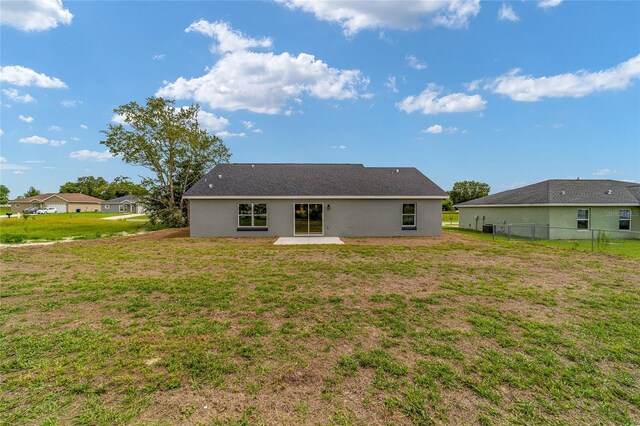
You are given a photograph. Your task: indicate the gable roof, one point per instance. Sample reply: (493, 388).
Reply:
(119, 200)
(313, 180)
(66, 196)
(565, 192)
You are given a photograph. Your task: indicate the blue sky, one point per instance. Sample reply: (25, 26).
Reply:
(507, 93)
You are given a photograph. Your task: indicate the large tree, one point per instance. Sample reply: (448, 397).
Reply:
(170, 143)
(31, 192)
(4, 194)
(101, 188)
(468, 190)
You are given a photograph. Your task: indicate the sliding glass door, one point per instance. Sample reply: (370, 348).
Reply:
(308, 219)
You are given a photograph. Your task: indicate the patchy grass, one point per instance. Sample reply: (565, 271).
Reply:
(450, 217)
(57, 226)
(452, 330)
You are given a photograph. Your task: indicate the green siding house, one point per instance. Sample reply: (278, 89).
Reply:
(561, 208)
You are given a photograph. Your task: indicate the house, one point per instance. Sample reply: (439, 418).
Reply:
(63, 202)
(568, 209)
(314, 200)
(126, 203)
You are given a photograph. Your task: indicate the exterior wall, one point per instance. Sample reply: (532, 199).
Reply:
(19, 206)
(85, 207)
(505, 215)
(605, 218)
(342, 217)
(115, 208)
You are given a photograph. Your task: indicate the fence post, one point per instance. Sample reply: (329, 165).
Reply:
(592, 240)
(493, 229)
(533, 233)
(508, 232)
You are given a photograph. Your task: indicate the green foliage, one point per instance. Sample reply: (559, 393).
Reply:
(170, 143)
(447, 205)
(31, 192)
(602, 241)
(468, 190)
(101, 188)
(4, 194)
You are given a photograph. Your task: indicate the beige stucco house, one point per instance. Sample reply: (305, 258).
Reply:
(63, 202)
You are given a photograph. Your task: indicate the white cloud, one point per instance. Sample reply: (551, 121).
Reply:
(86, 155)
(15, 95)
(1, 132)
(506, 13)
(428, 102)
(229, 40)
(211, 121)
(415, 63)
(54, 128)
(34, 161)
(18, 172)
(118, 119)
(339, 147)
(84, 126)
(75, 138)
(34, 15)
(5, 165)
(261, 82)
(526, 88)
(26, 119)
(391, 84)
(605, 172)
(23, 76)
(257, 130)
(355, 16)
(473, 85)
(435, 129)
(159, 57)
(545, 4)
(70, 103)
(226, 134)
(39, 140)
(248, 124)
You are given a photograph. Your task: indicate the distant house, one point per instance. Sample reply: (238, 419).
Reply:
(63, 202)
(314, 200)
(576, 206)
(124, 204)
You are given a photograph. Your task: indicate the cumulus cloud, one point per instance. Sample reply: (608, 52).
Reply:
(211, 122)
(5, 165)
(506, 13)
(437, 129)
(54, 128)
(526, 88)
(15, 95)
(70, 103)
(339, 147)
(250, 125)
(428, 102)
(355, 16)
(415, 63)
(391, 84)
(545, 4)
(159, 57)
(18, 172)
(84, 126)
(261, 82)
(226, 134)
(229, 40)
(39, 140)
(34, 15)
(86, 155)
(23, 76)
(26, 119)
(605, 172)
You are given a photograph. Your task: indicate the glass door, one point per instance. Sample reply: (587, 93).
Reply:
(308, 219)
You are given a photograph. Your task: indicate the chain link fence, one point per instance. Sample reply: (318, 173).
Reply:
(596, 240)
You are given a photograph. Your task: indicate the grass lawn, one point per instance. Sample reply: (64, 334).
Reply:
(453, 330)
(450, 217)
(63, 225)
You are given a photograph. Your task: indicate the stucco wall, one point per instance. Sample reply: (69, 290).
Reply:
(502, 215)
(605, 218)
(342, 218)
(71, 207)
(20, 206)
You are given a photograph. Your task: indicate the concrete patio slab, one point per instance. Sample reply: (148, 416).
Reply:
(289, 241)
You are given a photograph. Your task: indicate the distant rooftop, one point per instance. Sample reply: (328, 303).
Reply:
(286, 180)
(565, 191)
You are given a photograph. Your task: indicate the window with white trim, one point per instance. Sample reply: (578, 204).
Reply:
(252, 215)
(107, 206)
(409, 216)
(121, 208)
(624, 219)
(583, 218)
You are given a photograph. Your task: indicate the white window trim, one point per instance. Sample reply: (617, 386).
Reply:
(120, 208)
(307, 234)
(588, 219)
(628, 219)
(107, 206)
(414, 214)
(252, 216)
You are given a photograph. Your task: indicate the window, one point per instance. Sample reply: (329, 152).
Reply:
(107, 206)
(583, 219)
(624, 220)
(17, 205)
(408, 216)
(120, 208)
(252, 215)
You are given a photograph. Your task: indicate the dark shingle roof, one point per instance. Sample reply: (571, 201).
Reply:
(255, 180)
(563, 191)
(118, 200)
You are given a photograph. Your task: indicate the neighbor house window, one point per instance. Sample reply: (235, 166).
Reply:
(252, 215)
(120, 208)
(107, 207)
(408, 216)
(624, 220)
(583, 219)
(17, 205)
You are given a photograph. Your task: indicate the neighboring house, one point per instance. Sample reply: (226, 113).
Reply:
(63, 202)
(314, 200)
(126, 203)
(576, 206)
